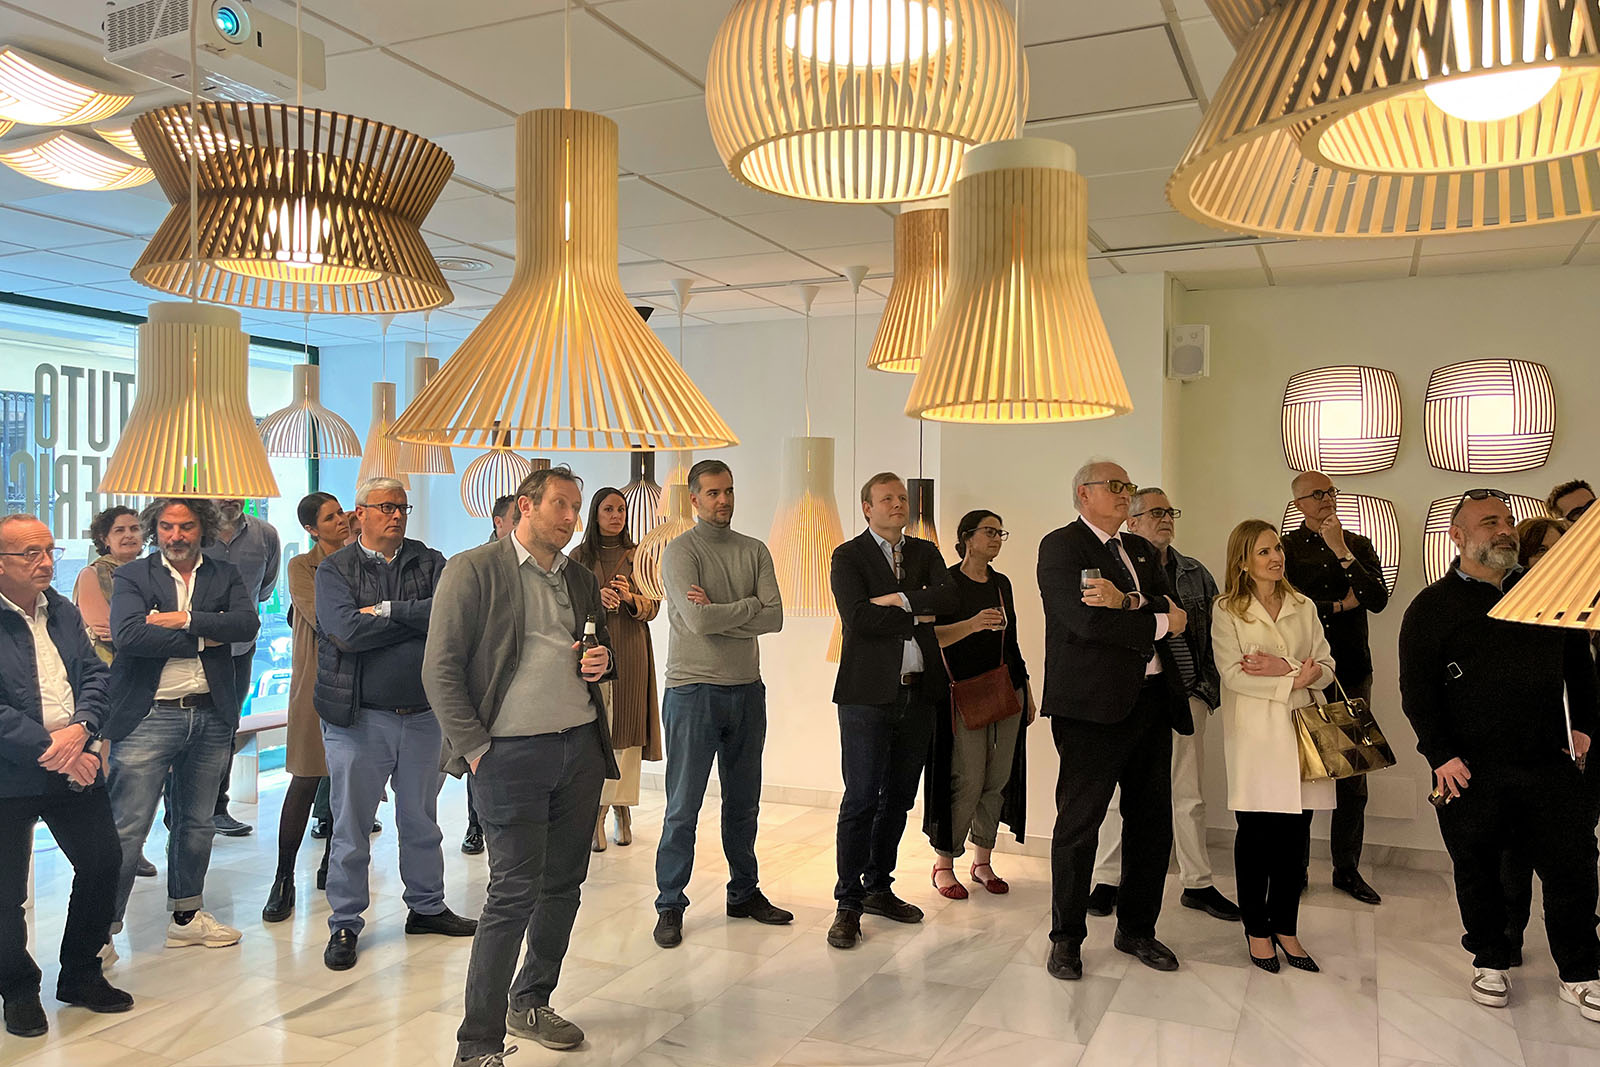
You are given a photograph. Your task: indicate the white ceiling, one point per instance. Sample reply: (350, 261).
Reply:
(1124, 81)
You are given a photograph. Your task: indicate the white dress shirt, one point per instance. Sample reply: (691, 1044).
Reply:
(1163, 622)
(911, 657)
(56, 706)
(183, 677)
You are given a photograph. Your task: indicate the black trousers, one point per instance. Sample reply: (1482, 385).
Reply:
(83, 827)
(1544, 808)
(1266, 859)
(1516, 868)
(883, 748)
(1348, 825)
(1096, 758)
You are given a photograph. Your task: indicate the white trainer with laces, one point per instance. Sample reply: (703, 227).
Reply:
(1585, 996)
(1490, 987)
(203, 930)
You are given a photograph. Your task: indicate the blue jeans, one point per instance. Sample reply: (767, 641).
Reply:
(882, 751)
(726, 723)
(194, 745)
(380, 747)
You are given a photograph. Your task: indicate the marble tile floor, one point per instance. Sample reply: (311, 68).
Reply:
(967, 986)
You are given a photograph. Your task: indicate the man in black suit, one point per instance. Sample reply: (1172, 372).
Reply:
(888, 588)
(1113, 697)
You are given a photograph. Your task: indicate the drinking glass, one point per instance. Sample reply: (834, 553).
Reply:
(1090, 574)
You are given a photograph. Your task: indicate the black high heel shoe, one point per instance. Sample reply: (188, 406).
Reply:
(1270, 965)
(280, 902)
(1299, 963)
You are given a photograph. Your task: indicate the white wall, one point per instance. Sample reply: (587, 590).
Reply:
(1231, 464)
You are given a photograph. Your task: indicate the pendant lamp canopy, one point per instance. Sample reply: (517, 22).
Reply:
(190, 432)
(299, 209)
(647, 557)
(305, 429)
(646, 504)
(1019, 337)
(921, 267)
(424, 459)
(861, 101)
(806, 529)
(1563, 588)
(380, 456)
(563, 361)
(498, 472)
(1363, 118)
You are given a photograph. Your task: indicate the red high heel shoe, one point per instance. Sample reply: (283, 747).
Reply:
(953, 892)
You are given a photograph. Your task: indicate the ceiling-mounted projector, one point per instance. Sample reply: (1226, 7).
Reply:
(243, 54)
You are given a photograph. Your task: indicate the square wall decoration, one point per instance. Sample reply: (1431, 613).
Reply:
(1373, 518)
(1438, 551)
(1341, 420)
(1490, 416)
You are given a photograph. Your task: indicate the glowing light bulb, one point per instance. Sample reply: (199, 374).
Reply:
(1493, 95)
(867, 33)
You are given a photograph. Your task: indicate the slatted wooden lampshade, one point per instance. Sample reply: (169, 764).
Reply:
(305, 429)
(69, 160)
(1490, 416)
(37, 91)
(1344, 118)
(647, 557)
(1019, 338)
(190, 432)
(380, 456)
(921, 269)
(1342, 420)
(924, 516)
(563, 361)
(860, 101)
(1563, 588)
(806, 529)
(424, 459)
(118, 132)
(647, 505)
(299, 209)
(497, 473)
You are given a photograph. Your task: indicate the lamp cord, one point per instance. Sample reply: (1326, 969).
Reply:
(806, 379)
(566, 50)
(194, 153)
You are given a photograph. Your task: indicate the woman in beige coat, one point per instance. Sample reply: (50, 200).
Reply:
(1271, 652)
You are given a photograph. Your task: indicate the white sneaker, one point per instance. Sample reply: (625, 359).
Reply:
(108, 956)
(1490, 987)
(203, 930)
(1585, 996)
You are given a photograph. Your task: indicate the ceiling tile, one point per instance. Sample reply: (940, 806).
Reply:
(706, 239)
(729, 300)
(640, 203)
(1211, 50)
(679, 30)
(1146, 231)
(122, 254)
(403, 20)
(1478, 262)
(1059, 20)
(379, 86)
(519, 64)
(37, 231)
(767, 314)
(23, 283)
(1143, 192)
(1317, 253)
(1154, 139)
(473, 220)
(754, 270)
(500, 266)
(875, 256)
(714, 189)
(671, 136)
(1114, 72)
(63, 270)
(656, 277)
(487, 157)
(821, 225)
(1191, 260)
(121, 210)
(1336, 273)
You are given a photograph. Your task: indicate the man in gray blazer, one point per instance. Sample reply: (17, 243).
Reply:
(519, 700)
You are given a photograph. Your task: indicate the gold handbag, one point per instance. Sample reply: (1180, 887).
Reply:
(1340, 740)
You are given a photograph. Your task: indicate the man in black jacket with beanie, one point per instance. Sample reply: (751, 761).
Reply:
(1485, 699)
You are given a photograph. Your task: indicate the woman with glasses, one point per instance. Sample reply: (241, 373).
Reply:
(977, 778)
(326, 523)
(1271, 652)
(118, 540)
(607, 550)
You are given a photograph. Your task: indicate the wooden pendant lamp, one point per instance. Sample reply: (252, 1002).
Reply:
(305, 429)
(424, 459)
(861, 101)
(380, 456)
(647, 557)
(1019, 338)
(497, 473)
(190, 432)
(921, 269)
(647, 505)
(1563, 588)
(1375, 118)
(806, 529)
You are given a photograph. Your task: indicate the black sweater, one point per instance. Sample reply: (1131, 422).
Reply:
(1487, 690)
(1312, 568)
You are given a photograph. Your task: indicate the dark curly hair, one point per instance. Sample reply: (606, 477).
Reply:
(204, 511)
(100, 526)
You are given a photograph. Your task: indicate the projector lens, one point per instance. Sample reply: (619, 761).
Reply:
(228, 21)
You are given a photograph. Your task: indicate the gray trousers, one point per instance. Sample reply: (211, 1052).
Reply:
(980, 767)
(536, 799)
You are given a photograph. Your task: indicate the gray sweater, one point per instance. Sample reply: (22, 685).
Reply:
(715, 644)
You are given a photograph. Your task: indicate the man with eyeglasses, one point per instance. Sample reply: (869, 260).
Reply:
(1114, 696)
(1342, 573)
(1569, 500)
(1485, 698)
(52, 701)
(1152, 516)
(374, 600)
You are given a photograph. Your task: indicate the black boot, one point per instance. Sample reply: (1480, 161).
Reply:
(280, 902)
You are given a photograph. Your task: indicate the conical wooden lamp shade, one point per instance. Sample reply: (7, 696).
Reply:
(924, 516)
(1563, 588)
(806, 529)
(647, 506)
(190, 432)
(381, 456)
(563, 361)
(647, 557)
(424, 459)
(305, 429)
(1019, 338)
(921, 270)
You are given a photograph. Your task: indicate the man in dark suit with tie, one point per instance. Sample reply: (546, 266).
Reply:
(1113, 697)
(888, 588)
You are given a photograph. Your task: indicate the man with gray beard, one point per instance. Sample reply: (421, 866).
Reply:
(1485, 699)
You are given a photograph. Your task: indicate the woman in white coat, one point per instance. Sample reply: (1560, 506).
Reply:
(1271, 652)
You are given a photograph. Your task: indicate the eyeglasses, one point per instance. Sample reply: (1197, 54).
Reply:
(556, 582)
(1162, 513)
(1116, 485)
(390, 509)
(1320, 495)
(33, 554)
(1485, 494)
(993, 531)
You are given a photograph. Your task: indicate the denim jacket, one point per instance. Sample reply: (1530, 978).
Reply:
(1197, 590)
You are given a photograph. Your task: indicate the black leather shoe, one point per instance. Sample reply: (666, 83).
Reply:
(280, 902)
(669, 928)
(1065, 961)
(1516, 955)
(1147, 950)
(472, 843)
(340, 955)
(26, 1018)
(1351, 882)
(1102, 900)
(1210, 901)
(892, 907)
(96, 994)
(322, 874)
(228, 826)
(846, 929)
(146, 869)
(377, 827)
(445, 922)
(761, 910)
(320, 830)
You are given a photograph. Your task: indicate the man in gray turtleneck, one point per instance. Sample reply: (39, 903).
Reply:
(722, 594)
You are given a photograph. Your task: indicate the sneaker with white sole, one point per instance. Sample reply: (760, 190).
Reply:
(203, 930)
(1491, 987)
(544, 1026)
(108, 956)
(1585, 996)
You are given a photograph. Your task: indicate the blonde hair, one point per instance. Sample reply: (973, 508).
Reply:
(1239, 587)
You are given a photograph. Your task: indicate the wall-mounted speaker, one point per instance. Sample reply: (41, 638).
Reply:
(1188, 353)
